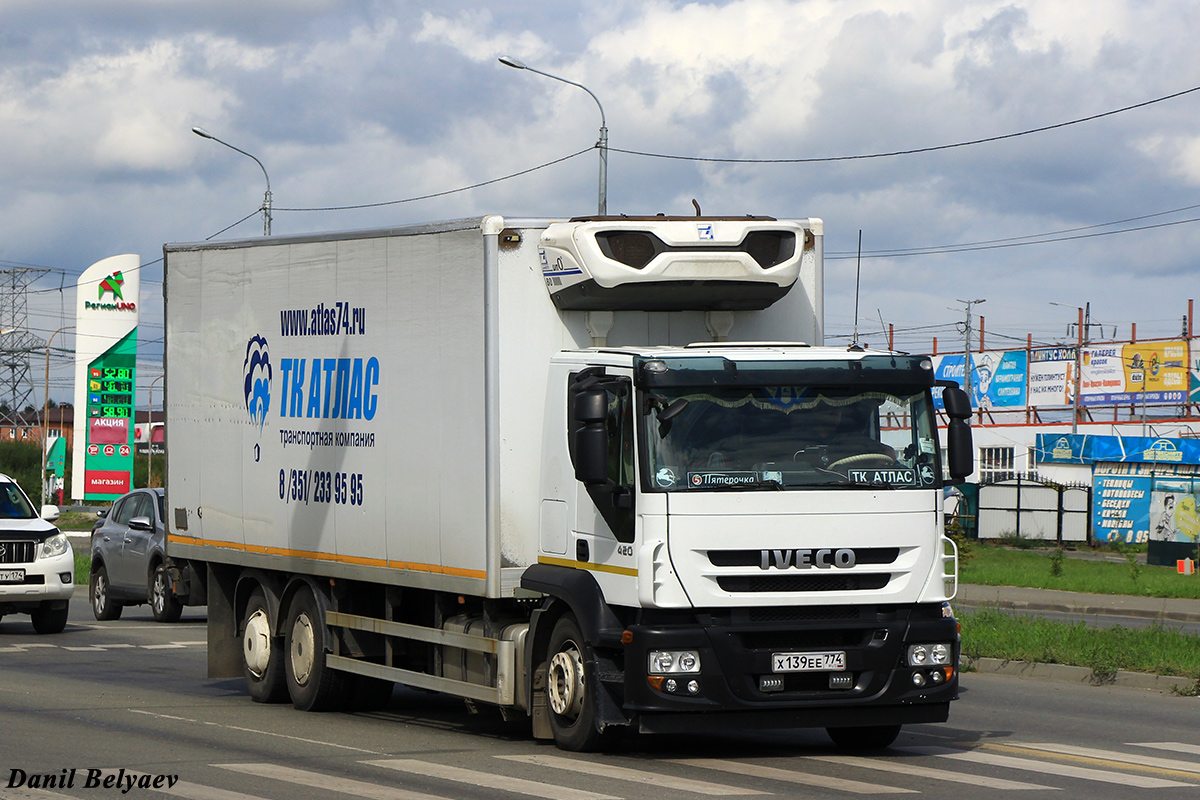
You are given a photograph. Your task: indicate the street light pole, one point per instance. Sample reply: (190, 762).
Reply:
(266, 208)
(602, 144)
(46, 408)
(150, 435)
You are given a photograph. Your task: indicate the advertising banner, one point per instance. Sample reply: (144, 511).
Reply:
(106, 322)
(1051, 376)
(1173, 511)
(1194, 358)
(1152, 372)
(1087, 449)
(1121, 508)
(997, 377)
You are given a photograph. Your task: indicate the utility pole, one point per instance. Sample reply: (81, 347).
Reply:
(967, 347)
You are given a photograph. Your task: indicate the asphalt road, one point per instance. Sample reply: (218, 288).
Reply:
(131, 695)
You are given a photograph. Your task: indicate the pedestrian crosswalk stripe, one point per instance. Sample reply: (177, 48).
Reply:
(791, 776)
(1114, 755)
(627, 774)
(193, 791)
(916, 771)
(1176, 747)
(25, 793)
(1050, 768)
(331, 783)
(489, 781)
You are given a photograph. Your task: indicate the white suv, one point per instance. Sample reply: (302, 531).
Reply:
(37, 566)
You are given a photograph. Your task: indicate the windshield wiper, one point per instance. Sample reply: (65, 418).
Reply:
(854, 484)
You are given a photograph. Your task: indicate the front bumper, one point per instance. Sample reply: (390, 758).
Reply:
(43, 580)
(736, 648)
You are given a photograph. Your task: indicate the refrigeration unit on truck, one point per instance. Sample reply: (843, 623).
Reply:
(585, 471)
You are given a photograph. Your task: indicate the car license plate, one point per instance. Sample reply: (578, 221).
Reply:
(834, 661)
(12, 576)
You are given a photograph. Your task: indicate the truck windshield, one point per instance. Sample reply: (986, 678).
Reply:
(784, 437)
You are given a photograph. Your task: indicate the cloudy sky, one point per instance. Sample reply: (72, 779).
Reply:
(357, 103)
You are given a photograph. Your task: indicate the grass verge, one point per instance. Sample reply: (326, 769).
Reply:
(1035, 569)
(989, 633)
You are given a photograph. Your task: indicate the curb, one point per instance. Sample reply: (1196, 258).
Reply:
(1005, 597)
(1083, 675)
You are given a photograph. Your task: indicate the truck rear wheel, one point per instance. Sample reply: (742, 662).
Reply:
(570, 691)
(871, 737)
(262, 658)
(104, 608)
(163, 603)
(313, 686)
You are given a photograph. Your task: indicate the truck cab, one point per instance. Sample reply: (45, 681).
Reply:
(763, 521)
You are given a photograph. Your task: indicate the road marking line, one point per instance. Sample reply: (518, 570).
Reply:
(1176, 747)
(1113, 755)
(330, 783)
(915, 771)
(791, 776)
(93, 648)
(192, 791)
(256, 731)
(161, 646)
(489, 781)
(634, 775)
(1050, 768)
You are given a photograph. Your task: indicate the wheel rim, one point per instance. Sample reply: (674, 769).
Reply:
(303, 644)
(256, 644)
(565, 685)
(159, 594)
(100, 597)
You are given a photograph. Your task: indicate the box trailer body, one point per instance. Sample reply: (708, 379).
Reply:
(460, 457)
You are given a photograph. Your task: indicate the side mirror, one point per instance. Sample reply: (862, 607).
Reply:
(141, 524)
(50, 513)
(590, 438)
(960, 452)
(956, 402)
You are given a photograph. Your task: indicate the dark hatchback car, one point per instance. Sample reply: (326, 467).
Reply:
(128, 559)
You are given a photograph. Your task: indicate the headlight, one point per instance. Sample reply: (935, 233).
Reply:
(929, 655)
(664, 662)
(55, 545)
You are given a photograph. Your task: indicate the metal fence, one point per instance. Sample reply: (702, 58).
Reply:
(1031, 509)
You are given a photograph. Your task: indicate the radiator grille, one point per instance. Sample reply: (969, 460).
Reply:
(802, 583)
(16, 552)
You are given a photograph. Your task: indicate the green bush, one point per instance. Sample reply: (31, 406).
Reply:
(22, 461)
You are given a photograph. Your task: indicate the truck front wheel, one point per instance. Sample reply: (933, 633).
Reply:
(262, 659)
(312, 685)
(570, 691)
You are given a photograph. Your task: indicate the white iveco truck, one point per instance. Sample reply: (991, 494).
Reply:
(586, 471)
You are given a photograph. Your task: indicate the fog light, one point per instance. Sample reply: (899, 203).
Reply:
(937, 677)
(65, 577)
(918, 679)
(693, 687)
(671, 685)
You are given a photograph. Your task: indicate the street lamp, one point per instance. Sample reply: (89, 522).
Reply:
(509, 61)
(266, 208)
(46, 408)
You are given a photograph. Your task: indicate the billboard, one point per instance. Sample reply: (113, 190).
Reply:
(106, 323)
(1151, 372)
(1121, 508)
(997, 377)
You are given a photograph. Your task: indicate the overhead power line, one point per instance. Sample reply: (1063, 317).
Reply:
(913, 151)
